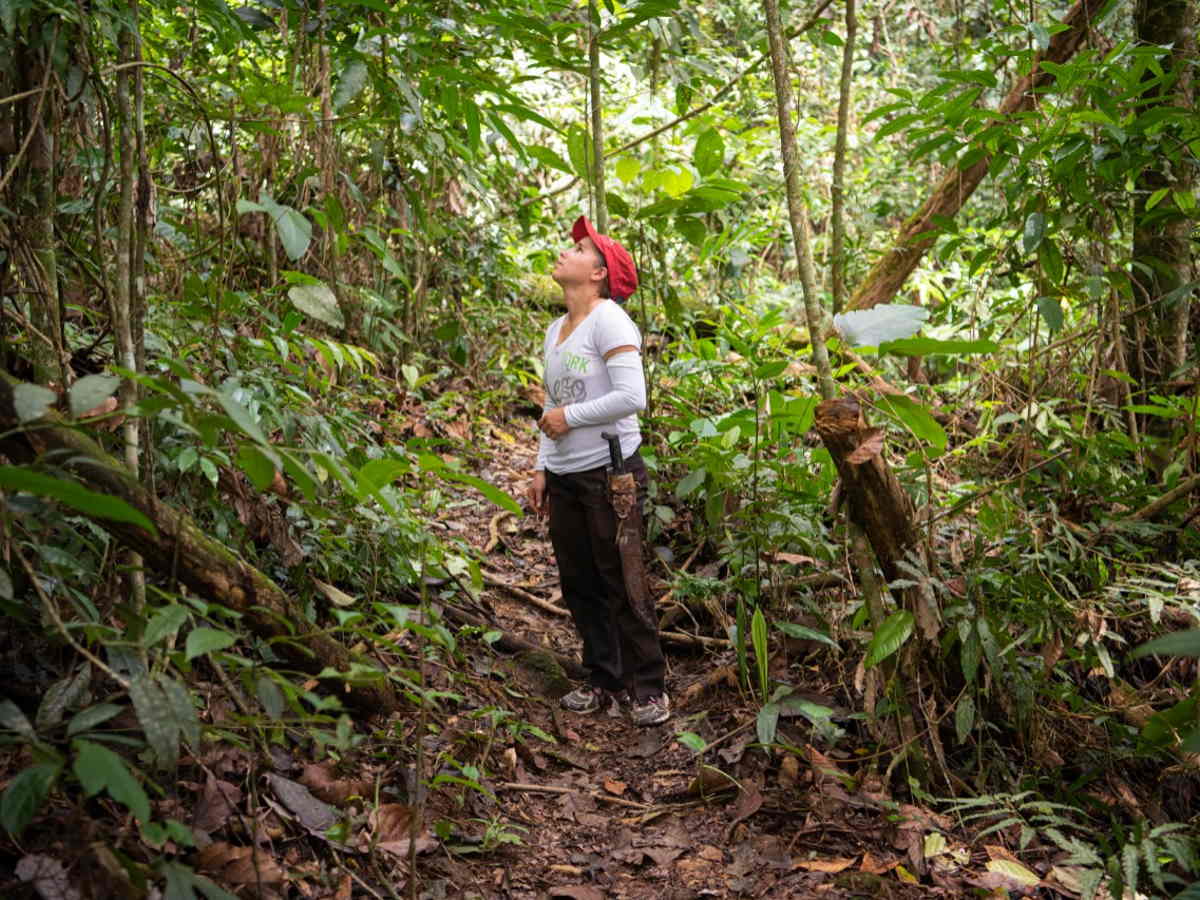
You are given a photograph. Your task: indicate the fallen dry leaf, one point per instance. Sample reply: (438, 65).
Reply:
(325, 785)
(239, 865)
(576, 892)
(615, 787)
(874, 866)
(868, 448)
(49, 877)
(711, 853)
(792, 559)
(831, 866)
(216, 804)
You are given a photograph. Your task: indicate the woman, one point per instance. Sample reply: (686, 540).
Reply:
(594, 383)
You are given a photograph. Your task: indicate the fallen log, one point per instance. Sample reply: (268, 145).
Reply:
(511, 643)
(180, 550)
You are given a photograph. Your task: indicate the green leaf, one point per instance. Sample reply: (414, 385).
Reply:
(758, 638)
(791, 629)
(579, 150)
(90, 391)
(295, 231)
(87, 719)
(915, 417)
(676, 182)
(180, 701)
(31, 401)
(766, 723)
(257, 466)
(709, 154)
(549, 158)
(98, 769)
(270, 696)
(692, 741)
(72, 494)
(319, 302)
(490, 491)
(1156, 198)
(1035, 230)
(1051, 261)
(63, 693)
(1052, 312)
(207, 640)
(164, 623)
(157, 720)
(25, 795)
(1181, 643)
(690, 482)
(964, 718)
(241, 416)
(350, 82)
(895, 630)
(12, 718)
(628, 168)
(770, 368)
(927, 346)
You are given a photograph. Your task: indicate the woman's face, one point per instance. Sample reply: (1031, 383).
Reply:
(579, 264)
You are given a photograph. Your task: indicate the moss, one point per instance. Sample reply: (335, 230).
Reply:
(542, 672)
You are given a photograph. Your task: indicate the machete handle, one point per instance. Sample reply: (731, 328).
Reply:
(615, 457)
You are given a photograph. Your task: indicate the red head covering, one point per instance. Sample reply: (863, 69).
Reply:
(622, 276)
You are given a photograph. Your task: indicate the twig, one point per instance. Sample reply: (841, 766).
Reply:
(545, 605)
(695, 640)
(554, 789)
(50, 607)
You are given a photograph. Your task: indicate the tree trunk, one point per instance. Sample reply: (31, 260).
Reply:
(181, 550)
(797, 213)
(917, 235)
(601, 200)
(837, 254)
(1162, 257)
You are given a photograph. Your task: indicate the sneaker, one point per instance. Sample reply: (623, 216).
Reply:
(652, 711)
(586, 699)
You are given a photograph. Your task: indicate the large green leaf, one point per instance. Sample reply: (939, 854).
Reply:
(207, 640)
(895, 630)
(72, 494)
(295, 231)
(927, 346)
(1181, 643)
(90, 391)
(350, 82)
(915, 417)
(241, 416)
(319, 302)
(25, 795)
(31, 401)
(1035, 230)
(156, 718)
(98, 769)
(709, 154)
(791, 629)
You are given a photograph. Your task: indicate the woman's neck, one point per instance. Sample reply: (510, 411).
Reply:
(579, 304)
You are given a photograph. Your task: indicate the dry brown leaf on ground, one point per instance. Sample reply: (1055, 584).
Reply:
(615, 787)
(315, 815)
(216, 804)
(873, 865)
(390, 829)
(576, 892)
(49, 877)
(238, 865)
(832, 866)
(325, 785)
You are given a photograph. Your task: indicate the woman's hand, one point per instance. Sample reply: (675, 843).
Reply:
(537, 494)
(553, 423)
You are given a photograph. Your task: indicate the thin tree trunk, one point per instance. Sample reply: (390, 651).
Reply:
(917, 235)
(837, 262)
(797, 213)
(1162, 256)
(601, 200)
(180, 550)
(127, 244)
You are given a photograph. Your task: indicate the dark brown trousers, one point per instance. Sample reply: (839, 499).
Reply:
(620, 651)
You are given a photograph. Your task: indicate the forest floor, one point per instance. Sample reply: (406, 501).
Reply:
(602, 809)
